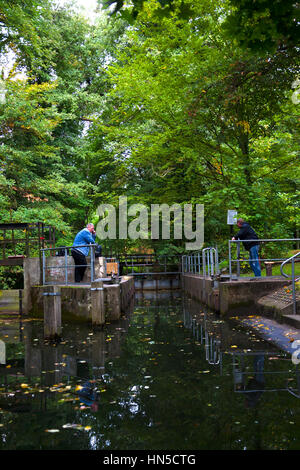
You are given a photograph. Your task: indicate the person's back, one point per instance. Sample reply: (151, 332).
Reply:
(84, 237)
(246, 232)
(79, 252)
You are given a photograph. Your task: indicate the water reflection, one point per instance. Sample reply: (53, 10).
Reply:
(33, 368)
(249, 365)
(169, 375)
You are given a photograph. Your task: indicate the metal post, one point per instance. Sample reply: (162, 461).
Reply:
(44, 267)
(92, 263)
(294, 286)
(66, 266)
(238, 254)
(229, 254)
(211, 253)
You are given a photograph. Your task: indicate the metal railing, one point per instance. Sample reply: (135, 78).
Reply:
(66, 266)
(204, 263)
(146, 264)
(239, 260)
(293, 277)
(200, 331)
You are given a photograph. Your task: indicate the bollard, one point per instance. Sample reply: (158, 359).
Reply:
(52, 312)
(269, 266)
(97, 303)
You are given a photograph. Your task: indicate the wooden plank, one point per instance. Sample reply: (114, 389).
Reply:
(111, 268)
(12, 262)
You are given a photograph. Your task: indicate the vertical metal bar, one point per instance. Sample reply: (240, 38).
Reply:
(211, 254)
(92, 264)
(238, 254)
(66, 266)
(208, 261)
(229, 254)
(294, 286)
(217, 261)
(44, 267)
(199, 265)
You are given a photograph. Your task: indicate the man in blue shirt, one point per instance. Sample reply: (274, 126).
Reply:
(79, 252)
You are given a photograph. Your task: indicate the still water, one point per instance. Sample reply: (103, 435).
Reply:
(168, 375)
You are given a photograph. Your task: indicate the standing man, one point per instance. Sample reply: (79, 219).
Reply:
(247, 233)
(86, 236)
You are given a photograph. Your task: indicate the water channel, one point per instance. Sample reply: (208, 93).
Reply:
(168, 375)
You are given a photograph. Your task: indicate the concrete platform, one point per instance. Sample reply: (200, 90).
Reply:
(239, 296)
(76, 299)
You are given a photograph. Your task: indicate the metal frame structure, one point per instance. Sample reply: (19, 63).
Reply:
(293, 277)
(66, 265)
(9, 247)
(258, 241)
(206, 261)
(133, 263)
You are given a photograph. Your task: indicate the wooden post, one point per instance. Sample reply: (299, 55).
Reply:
(269, 266)
(97, 303)
(52, 312)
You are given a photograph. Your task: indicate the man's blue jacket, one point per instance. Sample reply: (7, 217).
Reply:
(84, 237)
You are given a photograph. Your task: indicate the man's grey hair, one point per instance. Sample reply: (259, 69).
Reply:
(89, 225)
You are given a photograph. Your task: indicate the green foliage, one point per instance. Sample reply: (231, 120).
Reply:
(264, 25)
(197, 119)
(169, 109)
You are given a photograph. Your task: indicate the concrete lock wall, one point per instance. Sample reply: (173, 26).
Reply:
(76, 300)
(201, 289)
(55, 273)
(243, 296)
(235, 297)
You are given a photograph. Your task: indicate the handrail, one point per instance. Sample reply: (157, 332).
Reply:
(66, 265)
(294, 279)
(258, 241)
(286, 261)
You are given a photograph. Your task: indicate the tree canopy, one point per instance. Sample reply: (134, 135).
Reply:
(162, 102)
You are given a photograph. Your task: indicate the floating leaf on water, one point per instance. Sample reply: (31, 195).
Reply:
(76, 426)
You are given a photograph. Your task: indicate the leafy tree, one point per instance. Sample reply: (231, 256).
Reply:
(191, 111)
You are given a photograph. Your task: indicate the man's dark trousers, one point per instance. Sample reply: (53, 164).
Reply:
(80, 264)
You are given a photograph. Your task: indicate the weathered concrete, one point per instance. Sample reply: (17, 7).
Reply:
(97, 303)
(277, 306)
(203, 289)
(52, 311)
(10, 301)
(230, 297)
(56, 272)
(55, 275)
(157, 282)
(76, 300)
(242, 296)
(32, 273)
